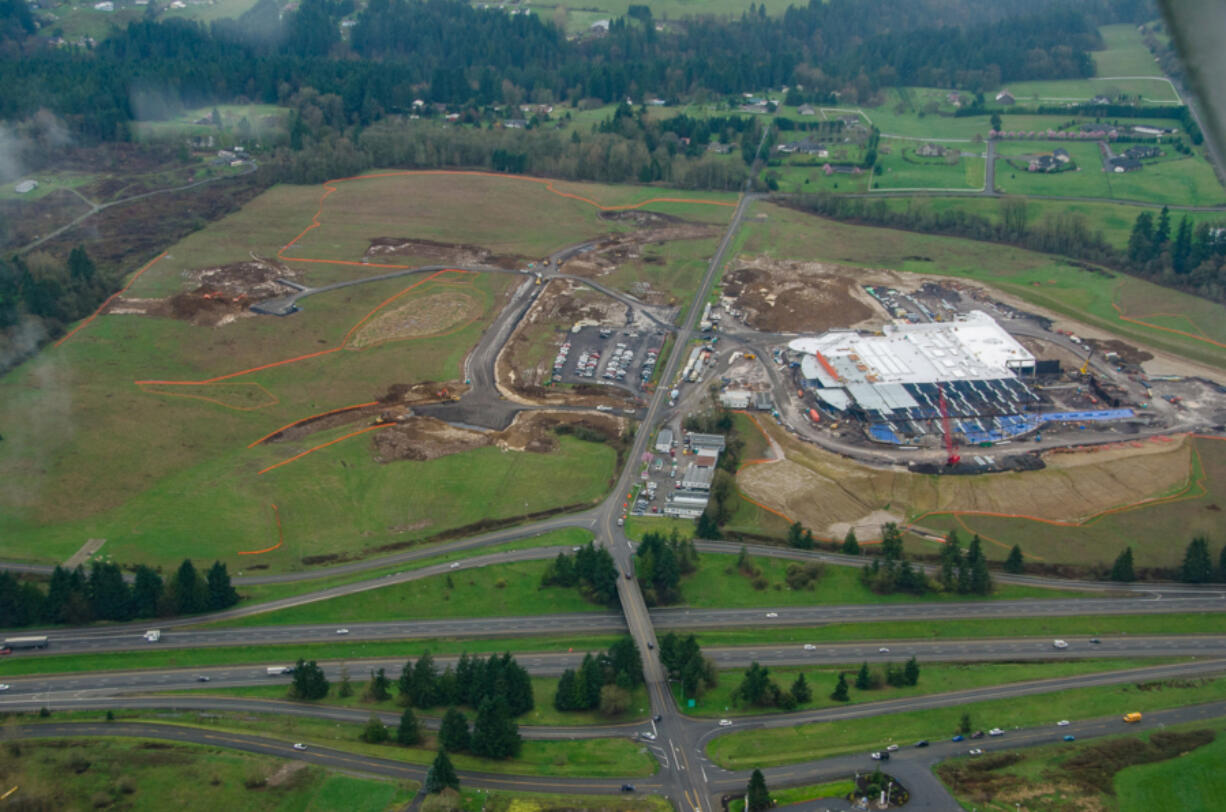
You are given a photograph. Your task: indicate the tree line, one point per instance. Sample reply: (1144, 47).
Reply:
(683, 661)
(79, 596)
(591, 569)
(1192, 258)
(1197, 566)
(602, 682)
(660, 561)
(960, 573)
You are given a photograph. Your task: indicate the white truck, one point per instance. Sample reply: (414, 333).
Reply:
(153, 635)
(279, 670)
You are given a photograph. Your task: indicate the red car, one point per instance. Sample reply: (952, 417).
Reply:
(6, 650)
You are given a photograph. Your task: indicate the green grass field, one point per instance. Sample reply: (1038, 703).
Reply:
(1125, 54)
(1037, 278)
(719, 584)
(1188, 782)
(148, 775)
(479, 800)
(495, 591)
(1155, 89)
(265, 121)
(934, 678)
(763, 748)
(586, 757)
(902, 169)
(1087, 180)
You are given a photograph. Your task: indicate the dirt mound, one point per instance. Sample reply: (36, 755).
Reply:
(613, 251)
(1127, 353)
(442, 253)
(429, 315)
(423, 392)
(802, 296)
(218, 295)
(253, 280)
(426, 438)
(639, 217)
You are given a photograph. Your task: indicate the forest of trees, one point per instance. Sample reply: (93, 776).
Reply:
(79, 596)
(591, 569)
(457, 54)
(602, 682)
(660, 561)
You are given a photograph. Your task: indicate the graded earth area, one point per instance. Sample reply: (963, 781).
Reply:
(180, 423)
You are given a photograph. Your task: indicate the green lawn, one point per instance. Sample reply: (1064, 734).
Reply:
(497, 590)
(934, 678)
(1125, 54)
(1087, 180)
(1039, 628)
(479, 800)
(1041, 279)
(718, 584)
(594, 758)
(741, 750)
(543, 689)
(1186, 782)
(148, 775)
(266, 121)
(795, 795)
(286, 655)
(902, 169)
(1155, 89)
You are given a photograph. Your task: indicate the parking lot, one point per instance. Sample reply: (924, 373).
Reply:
(604, 355)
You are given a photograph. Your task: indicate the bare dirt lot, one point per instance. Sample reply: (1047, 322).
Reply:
(780, 296)
(425, 438)
(441, 253)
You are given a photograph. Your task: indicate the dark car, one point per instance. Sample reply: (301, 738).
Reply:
(922, 743)
(628, 576)
(658, 718)
(978, 734)
(627, 787)
(958, 738)
(1095, 640)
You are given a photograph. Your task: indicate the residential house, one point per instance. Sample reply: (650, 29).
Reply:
(930, 151)
(25, 187)
(1061, 155)
(807, 110)
(1141, 151)
(1100, 99)
(1005, 97)
(1043, 163)
(1122, 163)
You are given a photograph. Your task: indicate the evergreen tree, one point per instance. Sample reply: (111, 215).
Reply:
(755, 687)
(146, 592)
(864, 679)
(1015, 563)
(1181, 249)
(1141, 240)
(795, 534)
(80, 267)
(624, 657)
(518, 686)
(109, 595)
(424, 687)
(407, 732)
(840, 689)
(1163, 232)
(495, 734)
(951, 561)
(345, 690)
(188, 594)
(891, 542)
(706, 527)
(1197, 568)
(593, 680)
(564, 697)
(851, 546)
(453, 733)
(1122, 569)
(692, 678)
(980, 582)
(404, 685)
(441, 775)
(379, 684)
(309, 681)
(964, 725)
(375, 731)
(757, 797)
(800, 690)
(911, 671)
(221, 595)
(1221, 565)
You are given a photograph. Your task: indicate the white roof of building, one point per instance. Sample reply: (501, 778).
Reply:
(974, 347)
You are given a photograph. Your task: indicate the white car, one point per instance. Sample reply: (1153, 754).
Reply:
(4, 686)
(300, 746)
(875, 756)
(883, 650)
(1062, 723)
(1061, 644)
(725, 723)
(810, 647)
(649, 736)
(892, 748)
(342, 631)
(996, 732)
(455, 565)
(975, 751)
(772, 614)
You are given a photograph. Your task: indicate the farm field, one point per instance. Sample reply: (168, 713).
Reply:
(1151, 90)
(147, 775)
(1125, 53)
(477, 800)
(1038, 279)
(823, 739)
(265, 120)
(934, 678)
(173, 466)
(1174, 784)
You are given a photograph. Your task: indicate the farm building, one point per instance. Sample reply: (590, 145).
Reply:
(25, 187)
(664, 440)
(891, 382)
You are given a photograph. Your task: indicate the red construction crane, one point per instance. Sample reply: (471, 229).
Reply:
(952, 458)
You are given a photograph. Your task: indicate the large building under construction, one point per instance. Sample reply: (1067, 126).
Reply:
(892, 381)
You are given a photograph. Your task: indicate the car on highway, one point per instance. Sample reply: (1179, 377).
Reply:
(342, 631)
(922, 743)
(892, 748)
(810, 647)
(976, 751)
(1063, 723)
(620, 521)
(725, 723)
(1095, 641)
(772, 614)
(627, 787)
(1070, 738)
(978, 734)
(996, 732)
(629, 576)
(958, 738)
(880, 756)
(649, 736)
(1060, 644)
(202, 678)
(883, 650)
(4, 686)
(6, 650)
(299, 746)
